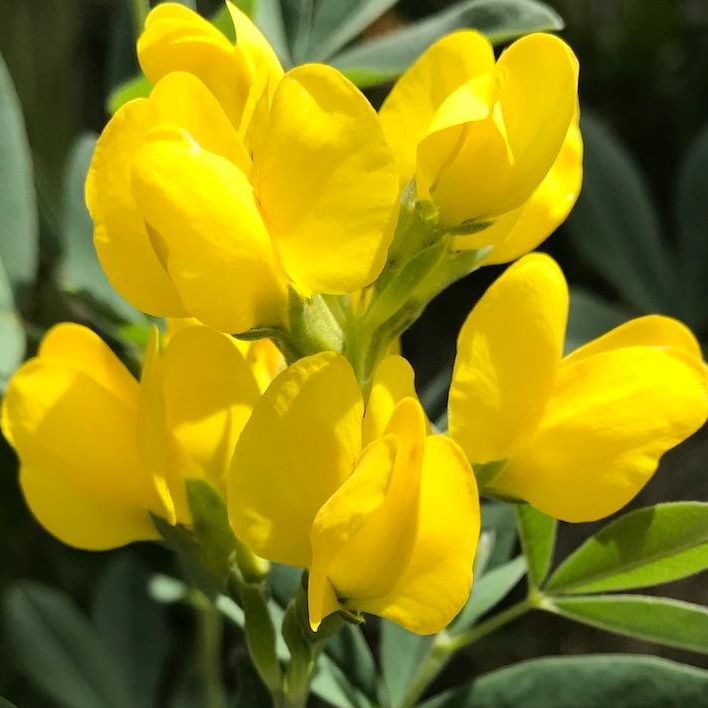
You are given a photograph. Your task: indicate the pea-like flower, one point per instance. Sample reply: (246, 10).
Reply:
(100, 451)
(495, 146)
(210, 197)
(576, 436)
(384, 515)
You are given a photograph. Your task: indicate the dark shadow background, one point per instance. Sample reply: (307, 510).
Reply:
(644, 70)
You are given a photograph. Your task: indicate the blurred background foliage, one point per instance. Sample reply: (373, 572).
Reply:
(636, 243)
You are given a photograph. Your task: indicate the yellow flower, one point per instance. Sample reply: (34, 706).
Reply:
(213, 195)
(490, 143)
(576, 436)
(99, 450)
(385, 516)
(178, 39)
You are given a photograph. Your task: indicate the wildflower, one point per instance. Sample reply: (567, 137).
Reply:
(385, 516)
(210, 197)
(576, 436)
(99, 451)
(495, 146)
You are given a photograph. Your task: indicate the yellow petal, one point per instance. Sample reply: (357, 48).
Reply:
(462, 135)
(205, 222)
(297, 449)
(546, 209)
(80, 348)
(265, 360)
(159, 450)
(530, 104)
(326, 181)
(122, 243)
(648, 331)
(258, 55)
(209, 392)
(76, 438)
(537, 97)
(438, 577)
(611, 417)
(182, 100)
(342, 516)
(393, 381)
(408, 110)
(508, 354)
(178, 39)
(370, 563)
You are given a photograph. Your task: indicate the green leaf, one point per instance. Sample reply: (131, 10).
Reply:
(251, 691)
(538, 537)
(401, 653)
(18, 202)
(132, 626)
(654, 619)
(297, 19)
(79, 270)
(649, 546)
(348, 650)
(590, 316)
(12, 334)
(331, 684)
(489, 590)
(283, 581)
(693, 230)
(336, 23)
(615, 227)
(4, 703)
(268, 16)
(620, 681)
(59, 651)
(137, 87)
(500, 519)
(384, 58)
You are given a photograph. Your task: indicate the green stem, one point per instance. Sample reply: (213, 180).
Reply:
(445, 646)
(140, 9)
(305, 647)
(209, 652)
(258, 626)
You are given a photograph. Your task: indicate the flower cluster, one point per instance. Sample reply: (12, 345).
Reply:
(239, 199)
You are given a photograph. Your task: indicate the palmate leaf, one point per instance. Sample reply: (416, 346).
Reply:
(132, 626)
(649, 546)
(599, 681)
(401, 654)
(303, 31)
(655, 619)
(59, 651)
(336, 23)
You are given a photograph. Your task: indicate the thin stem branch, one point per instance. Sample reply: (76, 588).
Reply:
(209, 653)
(446, 645)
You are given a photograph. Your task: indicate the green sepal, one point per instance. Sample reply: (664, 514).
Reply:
(209, 550)
(312, 326)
